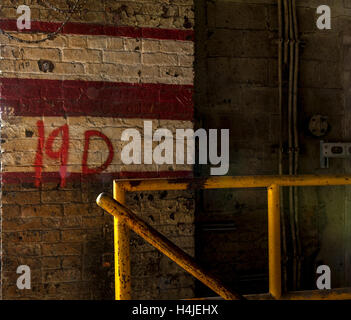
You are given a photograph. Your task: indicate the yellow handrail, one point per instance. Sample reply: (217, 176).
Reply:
(164, 245)
(271, 183)
(233, 182)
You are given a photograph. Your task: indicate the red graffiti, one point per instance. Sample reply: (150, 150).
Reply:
(61, 154)
(46, 147)
(38, 164)
(85, 168)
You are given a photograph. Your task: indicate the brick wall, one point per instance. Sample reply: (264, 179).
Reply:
(115, 64)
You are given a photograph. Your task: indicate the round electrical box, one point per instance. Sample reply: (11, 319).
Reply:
(318, 125)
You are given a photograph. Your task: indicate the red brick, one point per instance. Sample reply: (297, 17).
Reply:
(61, 275)
(23, 198)
(23, 236)
(58, 249)
(19, 224)
(51, 262)
(41, 211)
(71, 262)
(51, 236)
(82, 210)
(61, 196)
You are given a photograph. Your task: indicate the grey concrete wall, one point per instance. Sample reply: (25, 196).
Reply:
(237, 88)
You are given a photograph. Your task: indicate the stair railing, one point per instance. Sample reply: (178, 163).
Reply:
(124, 219)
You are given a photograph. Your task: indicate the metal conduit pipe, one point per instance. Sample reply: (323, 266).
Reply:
(281, 54)
(286, 31)
(291, 139)
(288, 55)
(296, 144)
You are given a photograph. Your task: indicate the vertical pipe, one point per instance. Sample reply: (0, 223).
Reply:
(280, 80)
(281, 111)
(274, 246)
(291, 137)
(291, 162)
(122, 255)
(286, 31)
(296, 143)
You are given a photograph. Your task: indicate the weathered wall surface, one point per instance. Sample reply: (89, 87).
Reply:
(120, 62)
(237, 89)
(114, 65)
(236, 81)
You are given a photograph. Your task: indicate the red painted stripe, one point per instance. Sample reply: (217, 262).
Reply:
(103, 30)
(41, 97)
(54, 177)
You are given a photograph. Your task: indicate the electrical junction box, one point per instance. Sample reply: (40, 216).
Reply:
(341, 150)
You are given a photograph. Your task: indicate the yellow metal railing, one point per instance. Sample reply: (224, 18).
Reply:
(272, 183)
(131, 220)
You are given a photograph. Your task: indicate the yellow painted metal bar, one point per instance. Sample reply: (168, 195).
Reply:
(121, 247)
(167, 247)
(334, 294)
(273, 183)
(234, 182)
(274, 246)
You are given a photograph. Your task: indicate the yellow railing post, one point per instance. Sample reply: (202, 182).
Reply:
(274, 246)
(121, 247)
(165, 246)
